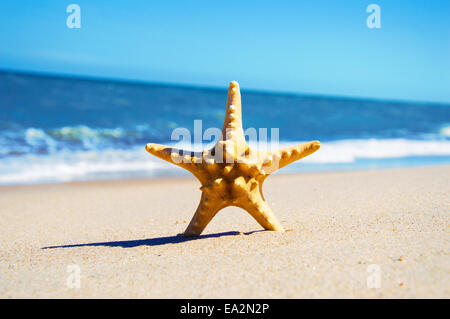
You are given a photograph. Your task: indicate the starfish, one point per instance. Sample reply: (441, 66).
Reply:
(231, 173)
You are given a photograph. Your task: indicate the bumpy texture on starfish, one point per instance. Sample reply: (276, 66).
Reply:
(231, 173)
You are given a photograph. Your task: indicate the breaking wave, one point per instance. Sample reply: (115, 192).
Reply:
(66, 165)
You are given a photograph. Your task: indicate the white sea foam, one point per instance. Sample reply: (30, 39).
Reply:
(445, 131)
(65, 166)
(348, 151)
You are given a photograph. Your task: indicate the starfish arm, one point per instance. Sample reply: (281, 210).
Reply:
(182, 158)
(261, 211)
(206, 210)
(276, 160)
(232, 125)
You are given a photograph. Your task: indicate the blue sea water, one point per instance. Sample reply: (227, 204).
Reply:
(59, 129)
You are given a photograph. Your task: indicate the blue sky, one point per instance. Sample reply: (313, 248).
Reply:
(315, 47)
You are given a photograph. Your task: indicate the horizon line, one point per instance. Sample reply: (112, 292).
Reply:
(100, 79)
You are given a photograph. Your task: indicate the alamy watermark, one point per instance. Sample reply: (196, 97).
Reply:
(374, 277)
(374, 19)
(74, 18)
(74, 278)
(227, 146)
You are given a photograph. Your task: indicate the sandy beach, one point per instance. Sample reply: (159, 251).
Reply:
(122, 236)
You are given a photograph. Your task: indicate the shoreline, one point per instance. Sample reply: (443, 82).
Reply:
(187, 176)
(123, 236)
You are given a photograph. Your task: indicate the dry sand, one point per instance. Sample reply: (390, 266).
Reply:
(124, 239)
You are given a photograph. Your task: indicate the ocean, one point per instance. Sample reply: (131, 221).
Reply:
(61, 129)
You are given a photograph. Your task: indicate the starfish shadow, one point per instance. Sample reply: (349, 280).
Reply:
(157, 241)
